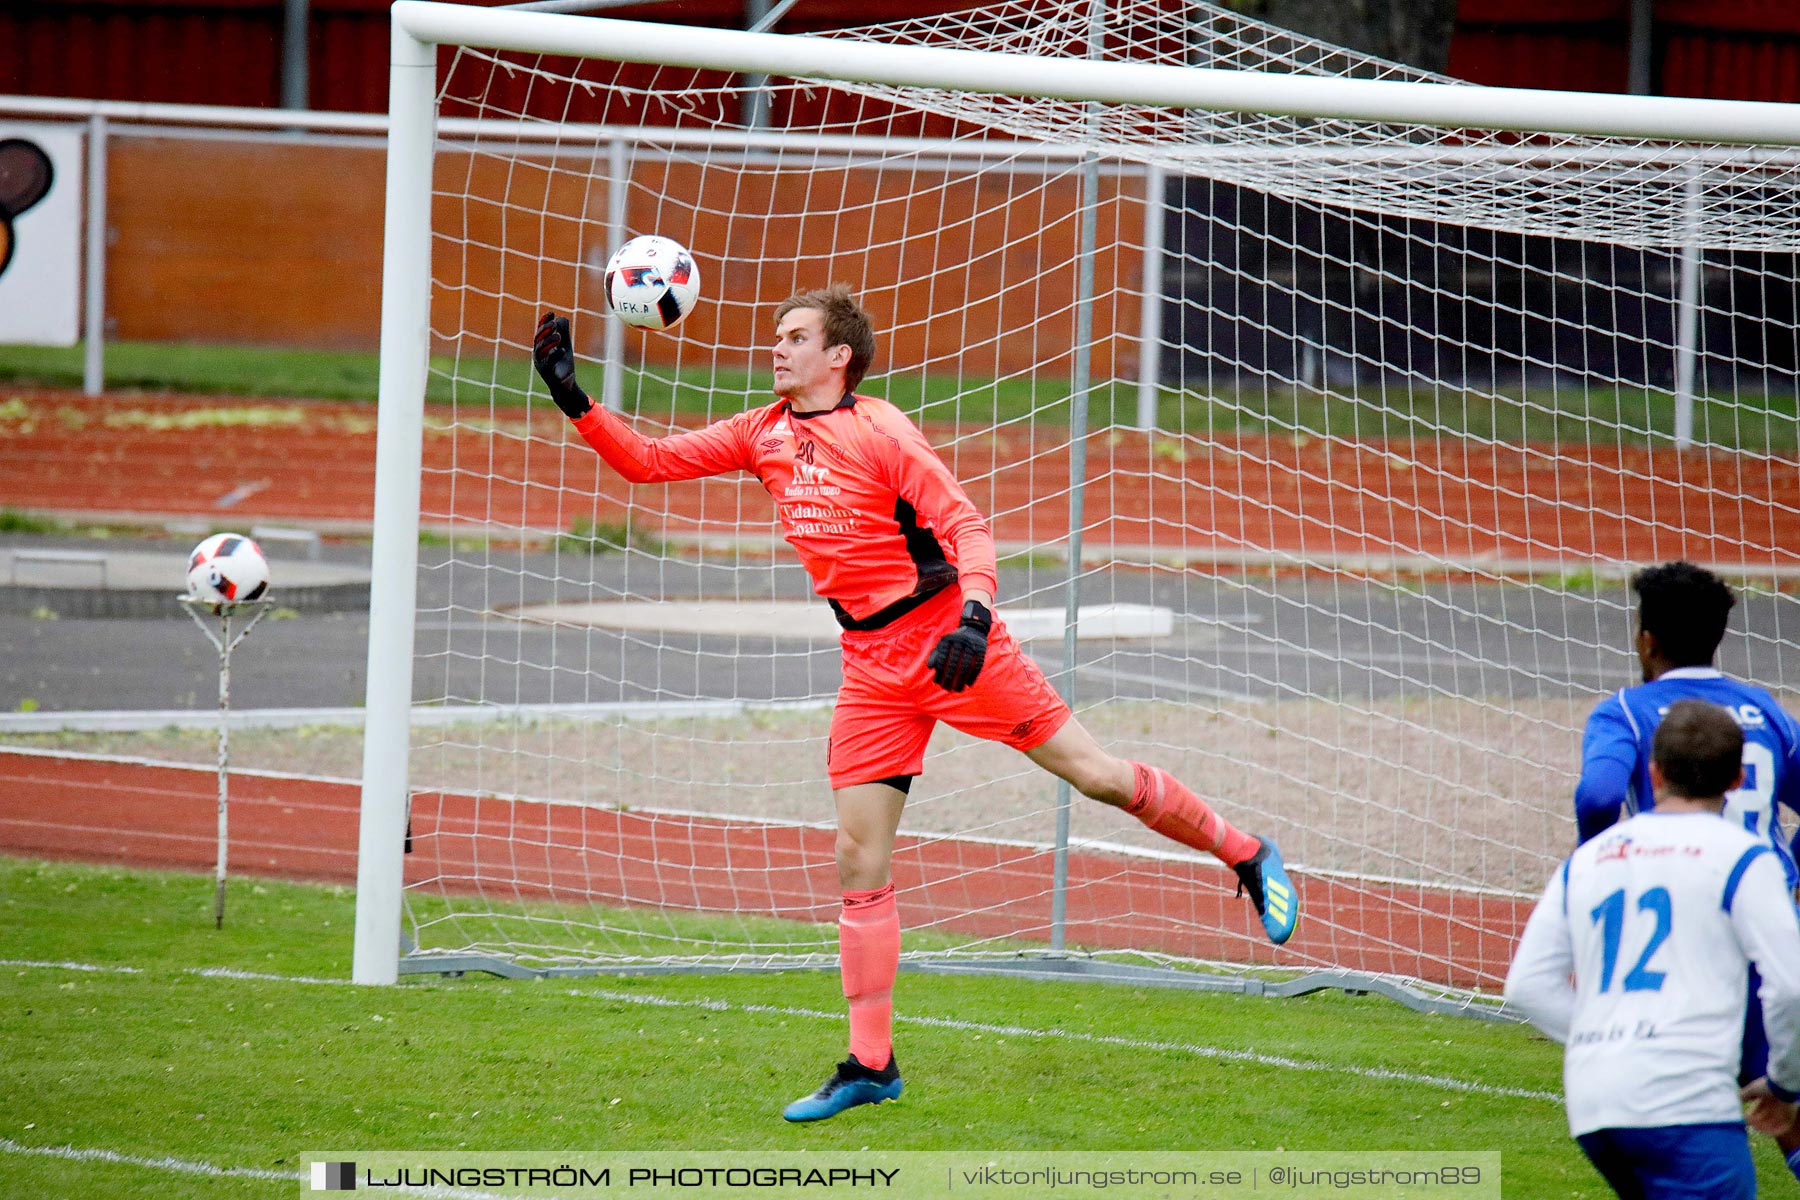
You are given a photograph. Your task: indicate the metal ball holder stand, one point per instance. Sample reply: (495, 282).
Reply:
(246, 613)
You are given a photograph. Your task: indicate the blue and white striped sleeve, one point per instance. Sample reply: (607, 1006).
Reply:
(1538, 985)
(1762, 913)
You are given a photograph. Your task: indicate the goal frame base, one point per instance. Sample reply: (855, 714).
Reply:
(1033, 965)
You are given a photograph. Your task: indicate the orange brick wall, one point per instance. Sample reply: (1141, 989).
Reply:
(278, 243)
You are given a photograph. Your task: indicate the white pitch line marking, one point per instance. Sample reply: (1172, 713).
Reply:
(1197, 1050)
(186, 1166)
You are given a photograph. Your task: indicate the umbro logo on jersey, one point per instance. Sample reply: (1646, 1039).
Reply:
(777, 431)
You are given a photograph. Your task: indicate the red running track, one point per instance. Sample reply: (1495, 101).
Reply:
(305, 828)
(311, 461)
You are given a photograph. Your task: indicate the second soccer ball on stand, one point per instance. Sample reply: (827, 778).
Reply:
(227, 569)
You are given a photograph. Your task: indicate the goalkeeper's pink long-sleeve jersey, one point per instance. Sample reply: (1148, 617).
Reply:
(873, 512)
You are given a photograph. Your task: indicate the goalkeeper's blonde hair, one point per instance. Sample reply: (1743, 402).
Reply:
(844, 322)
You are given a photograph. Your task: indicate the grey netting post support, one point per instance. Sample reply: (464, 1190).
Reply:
(1080, 385)
(246, 613)
(618, 194)
(1689, 275)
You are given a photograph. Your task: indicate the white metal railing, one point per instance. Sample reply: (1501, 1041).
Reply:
(127, 117)
(619, 144)
(107, 119)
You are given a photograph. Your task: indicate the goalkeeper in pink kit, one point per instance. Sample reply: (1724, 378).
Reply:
(907, 563)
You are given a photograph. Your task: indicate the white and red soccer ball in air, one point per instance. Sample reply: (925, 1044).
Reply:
(652, 282)
(227, 568)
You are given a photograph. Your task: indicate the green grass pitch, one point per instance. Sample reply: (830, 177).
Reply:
(241, 1050)
(1758, 422)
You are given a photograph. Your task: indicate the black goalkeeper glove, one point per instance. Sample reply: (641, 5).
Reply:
(957, 658)
(553, 354)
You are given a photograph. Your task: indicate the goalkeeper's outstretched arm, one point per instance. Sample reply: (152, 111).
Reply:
(714, 450)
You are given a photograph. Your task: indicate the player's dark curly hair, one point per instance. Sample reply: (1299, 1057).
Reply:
(844, 322)
(1699, 748)
(1684, 608)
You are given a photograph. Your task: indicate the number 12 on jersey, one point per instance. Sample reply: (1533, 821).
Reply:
(1610, 914)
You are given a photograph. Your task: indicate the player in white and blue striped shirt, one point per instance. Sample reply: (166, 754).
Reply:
(1682, 614)
(1658, 920)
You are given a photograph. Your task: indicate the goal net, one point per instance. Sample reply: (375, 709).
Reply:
(1340, 431)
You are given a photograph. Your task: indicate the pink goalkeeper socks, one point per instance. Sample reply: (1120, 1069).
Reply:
(869, 957)
(1160, 801)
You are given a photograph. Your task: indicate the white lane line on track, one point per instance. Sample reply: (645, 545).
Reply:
(185, 1166)
(1194, 1049)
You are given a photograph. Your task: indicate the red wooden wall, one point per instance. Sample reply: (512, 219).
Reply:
(229, 51)
(1728, 49)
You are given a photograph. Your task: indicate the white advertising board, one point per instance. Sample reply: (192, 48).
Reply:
(40, 233)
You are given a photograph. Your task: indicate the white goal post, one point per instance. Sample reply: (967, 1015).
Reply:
(1365, 414)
